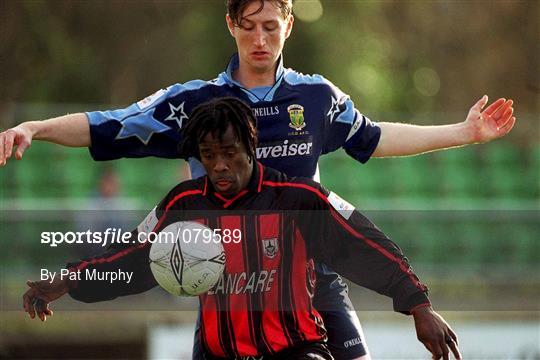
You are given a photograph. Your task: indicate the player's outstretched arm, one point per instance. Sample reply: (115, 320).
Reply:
(36, 300)
(435, 333)
(69, 130)
(480, 126)
(353, 246)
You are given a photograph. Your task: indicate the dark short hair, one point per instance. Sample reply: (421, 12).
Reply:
(235, 8)
(214, 117)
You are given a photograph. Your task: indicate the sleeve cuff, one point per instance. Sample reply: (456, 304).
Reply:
(415, 301)
(420, 306)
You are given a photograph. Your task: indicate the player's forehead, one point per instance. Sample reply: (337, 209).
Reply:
(214, 140)
(270, 12)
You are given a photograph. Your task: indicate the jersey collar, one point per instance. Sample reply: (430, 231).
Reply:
(234, 63)
(254, 186)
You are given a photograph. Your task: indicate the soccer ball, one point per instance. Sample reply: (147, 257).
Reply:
(187, 258)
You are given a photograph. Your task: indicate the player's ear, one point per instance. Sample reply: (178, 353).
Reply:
(230, 25)
(288, 29)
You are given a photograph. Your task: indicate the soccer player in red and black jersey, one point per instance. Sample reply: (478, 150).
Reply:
(262, 305)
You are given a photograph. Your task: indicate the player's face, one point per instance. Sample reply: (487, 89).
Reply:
(226, 162)
(260, 37)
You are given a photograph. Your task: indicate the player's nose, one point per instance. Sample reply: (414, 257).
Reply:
(259, 37)
(221, 165)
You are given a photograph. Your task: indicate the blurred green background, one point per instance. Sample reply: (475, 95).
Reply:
(468, 218)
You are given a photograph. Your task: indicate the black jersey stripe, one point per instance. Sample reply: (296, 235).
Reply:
(225, 339)
(262, 340)
(249, 300)
(202, 330)
(289, 228)
(230, 328)
(252, 264)
(224, 336)
(284, 271)
(219, 310)
(289, 322)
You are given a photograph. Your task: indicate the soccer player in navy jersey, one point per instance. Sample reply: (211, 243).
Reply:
(287, 224)
(299, 118)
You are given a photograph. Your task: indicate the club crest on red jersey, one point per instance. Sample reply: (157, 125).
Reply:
(270, 247)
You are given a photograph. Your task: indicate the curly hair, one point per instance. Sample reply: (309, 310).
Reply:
(214, 117)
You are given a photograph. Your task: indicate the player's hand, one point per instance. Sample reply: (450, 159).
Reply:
(435, 333)
(19, 137)
(493, 122)
(36, 300)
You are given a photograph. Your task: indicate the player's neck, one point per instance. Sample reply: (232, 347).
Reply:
(251, 79)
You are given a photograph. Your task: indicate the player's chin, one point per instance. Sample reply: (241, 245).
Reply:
(262, 65)
(229, 193)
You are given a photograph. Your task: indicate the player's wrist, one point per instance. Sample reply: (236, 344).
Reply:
(31, 128)
(421, 309)
(466, 133)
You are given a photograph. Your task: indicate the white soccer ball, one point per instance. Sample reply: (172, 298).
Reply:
(187, 258)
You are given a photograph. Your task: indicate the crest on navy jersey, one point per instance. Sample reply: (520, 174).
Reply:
(270, 247)
(296, 114)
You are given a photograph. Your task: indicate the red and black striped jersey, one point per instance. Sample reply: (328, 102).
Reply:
(262, 304)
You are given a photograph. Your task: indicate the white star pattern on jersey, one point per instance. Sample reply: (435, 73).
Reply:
(177, 114)
(334, 109)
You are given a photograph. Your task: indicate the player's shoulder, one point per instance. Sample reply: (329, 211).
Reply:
(301, 193)
(178, 89)
(300, 188)
(183, 191)
(295, 78)
(193, 85)
(192, 185)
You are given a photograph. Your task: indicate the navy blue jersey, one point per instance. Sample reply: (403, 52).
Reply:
(299, 118)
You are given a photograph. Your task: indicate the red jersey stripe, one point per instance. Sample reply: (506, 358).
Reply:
(258, 316)
(237, 302)
(268, 236)
(261, 175)
(210, 327)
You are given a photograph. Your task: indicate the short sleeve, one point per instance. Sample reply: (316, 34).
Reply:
(150, 127)
(347, 128)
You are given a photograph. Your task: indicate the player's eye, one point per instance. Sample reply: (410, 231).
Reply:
(246, 26)
(270, 27)
(207, 156)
